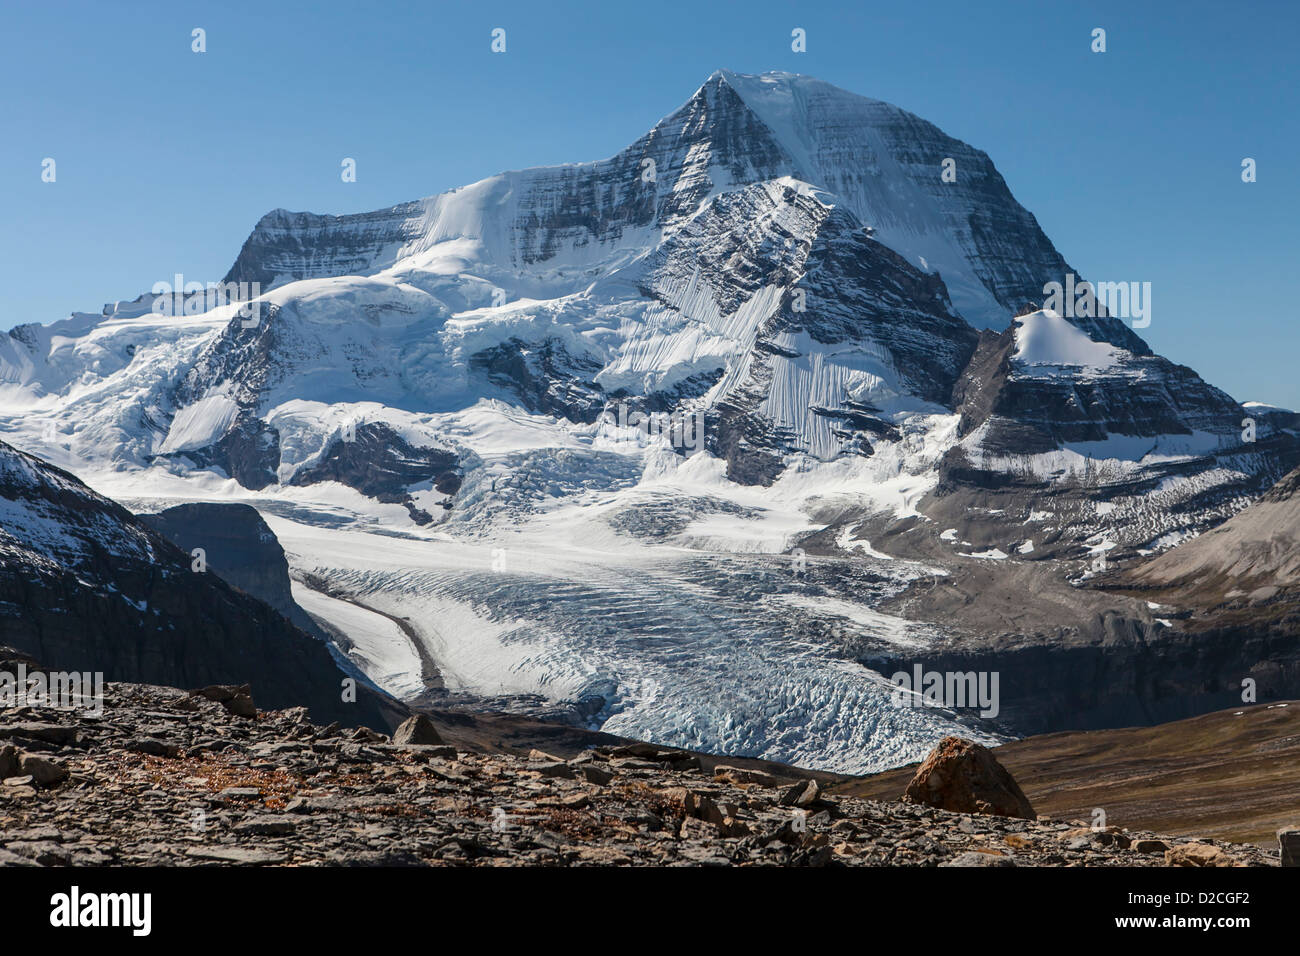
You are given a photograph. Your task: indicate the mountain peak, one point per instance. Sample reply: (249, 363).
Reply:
(787, 92)
(774, 79)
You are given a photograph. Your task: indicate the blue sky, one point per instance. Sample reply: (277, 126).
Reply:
(1131, 159)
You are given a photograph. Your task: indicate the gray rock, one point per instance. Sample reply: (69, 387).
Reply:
(972, 858)
(239, 793)
(58, 734)
(557, 769)
(1288, 839)
(222, 692)
(1150, 846)
(418, 729)
(801, 794)
(152, 746)
(241, 856)
(270, 825)
(45, 772)
(241, 705)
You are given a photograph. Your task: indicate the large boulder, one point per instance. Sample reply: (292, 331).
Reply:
(8, 762)
(1288, 839)
(964, 777)
(416, 730)
(1197, 854)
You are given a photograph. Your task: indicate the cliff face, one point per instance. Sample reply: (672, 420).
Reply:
(1090, 447)
(1131, 677)
(87, 584)
(238, 547)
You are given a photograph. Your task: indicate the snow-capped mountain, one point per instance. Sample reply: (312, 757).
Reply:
(557, 434)
(1089, 448)
(545, 232)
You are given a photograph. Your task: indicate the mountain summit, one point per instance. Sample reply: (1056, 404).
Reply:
(880, 163)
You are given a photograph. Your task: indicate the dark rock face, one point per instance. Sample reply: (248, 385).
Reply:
(86, 584)
(977, 392)
(745, 441)
(545, 377)
(860, 290)
(240, 359)
(1275, 419)
(1133, 674)
(238, 547)
(846, 290)
(283, 242)
(379, 463)
(965, 777)
(1027, 413)
(1030, 415)
(242, 550)
(249, 452)
(1136, 407)
(1289, 840)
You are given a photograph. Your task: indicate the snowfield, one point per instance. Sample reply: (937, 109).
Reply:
(669, 593)
(727, 651)
(1045, 338)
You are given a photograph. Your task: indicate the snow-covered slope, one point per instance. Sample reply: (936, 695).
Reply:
(1253, 556)
(543, 232)
(1044, 338)
(1073, 448)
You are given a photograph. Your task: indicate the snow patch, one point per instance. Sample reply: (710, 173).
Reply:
(1046, 338)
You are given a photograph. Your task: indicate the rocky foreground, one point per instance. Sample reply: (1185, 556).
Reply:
(172, 777)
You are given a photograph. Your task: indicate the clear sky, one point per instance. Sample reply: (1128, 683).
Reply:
(1130, 159)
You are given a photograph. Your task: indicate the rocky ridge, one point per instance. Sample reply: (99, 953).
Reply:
(171, 777)
(85, 582)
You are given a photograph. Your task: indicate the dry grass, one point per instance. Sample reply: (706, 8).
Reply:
(1218, 775)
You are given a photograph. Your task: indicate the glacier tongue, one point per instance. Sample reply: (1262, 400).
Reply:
(719, 651)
